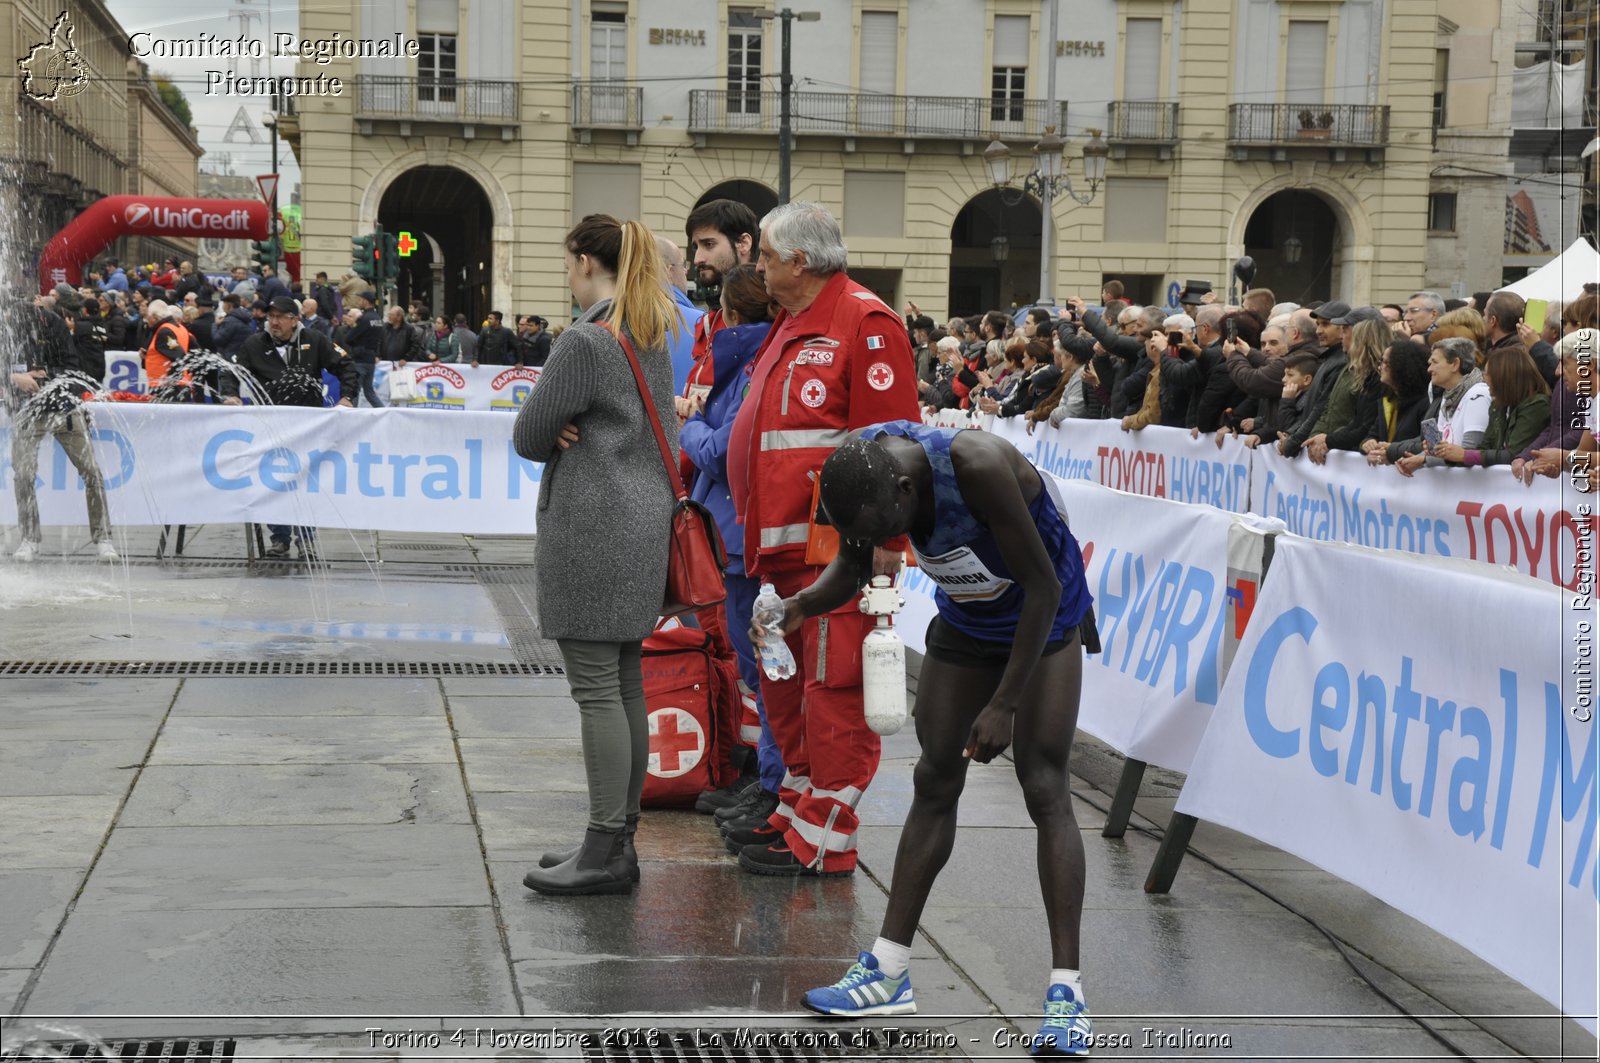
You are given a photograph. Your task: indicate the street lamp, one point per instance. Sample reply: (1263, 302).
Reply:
(1292, 248)
(1000, 248)
(1047, 181)
(786, 85)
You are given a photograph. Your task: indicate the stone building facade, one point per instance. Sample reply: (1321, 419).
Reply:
(1314, 154)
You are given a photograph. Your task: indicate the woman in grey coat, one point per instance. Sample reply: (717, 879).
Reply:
(605, 508)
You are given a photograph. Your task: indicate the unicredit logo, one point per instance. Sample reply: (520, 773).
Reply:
(187, 219)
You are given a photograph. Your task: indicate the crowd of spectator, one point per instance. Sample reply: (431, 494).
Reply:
(1433, 382)
(122, 309)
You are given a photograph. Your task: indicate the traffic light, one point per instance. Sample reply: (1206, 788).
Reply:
(390, 268)
(365, 252)
(266, 252)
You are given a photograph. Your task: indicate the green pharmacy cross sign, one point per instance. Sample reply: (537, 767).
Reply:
(407, 244)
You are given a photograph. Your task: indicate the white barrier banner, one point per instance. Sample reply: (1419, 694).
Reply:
(1483, 514)
(440, 385)
(1155, 461)
(1159, 575)
(388, 469)
(1435, 761)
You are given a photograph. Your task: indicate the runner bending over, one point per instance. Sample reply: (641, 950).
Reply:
(1004, 663)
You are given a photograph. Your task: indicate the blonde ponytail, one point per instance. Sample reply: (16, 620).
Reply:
(641, 303)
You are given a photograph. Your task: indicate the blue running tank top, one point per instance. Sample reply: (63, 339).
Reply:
(975, 592)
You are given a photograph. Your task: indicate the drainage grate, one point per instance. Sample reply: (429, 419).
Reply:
(426, 669)
(758, 1045)
(196, 1051)
(385, 547)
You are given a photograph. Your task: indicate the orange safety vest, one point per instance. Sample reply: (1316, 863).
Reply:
(157, 363)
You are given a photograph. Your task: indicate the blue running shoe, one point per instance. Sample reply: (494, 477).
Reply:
(1066, 1025)
(864, 990)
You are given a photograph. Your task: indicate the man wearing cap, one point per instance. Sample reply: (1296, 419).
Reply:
(1331, 320)
(362, 341)
(289, 360)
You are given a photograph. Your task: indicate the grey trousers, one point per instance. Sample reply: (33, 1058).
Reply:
(74, 439)
(608, 685)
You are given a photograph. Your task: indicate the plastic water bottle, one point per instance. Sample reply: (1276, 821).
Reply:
(883, 660)
(776, 660)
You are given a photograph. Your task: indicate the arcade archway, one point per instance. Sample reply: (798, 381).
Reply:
(1297, 242)
(448, 215)
(994, 254)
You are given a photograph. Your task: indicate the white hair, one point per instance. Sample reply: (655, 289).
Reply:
(1129, 314)
(948, 343)
(1579, 345)
(1432, 301)
(803, 226)
(162, 310)
(1280, 321)
(1179, 321)
(1283, 310)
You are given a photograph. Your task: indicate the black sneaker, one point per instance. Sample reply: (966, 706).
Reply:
(277, 549)
(779, 859)
(308, 551)
(762, 834)
(711, 800)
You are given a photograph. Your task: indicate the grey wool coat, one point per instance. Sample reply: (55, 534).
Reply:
(605, 504)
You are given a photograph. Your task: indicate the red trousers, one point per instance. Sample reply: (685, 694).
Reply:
(820, 726)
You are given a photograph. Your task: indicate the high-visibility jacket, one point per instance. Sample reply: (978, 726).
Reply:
(842, 363)
(169, 343)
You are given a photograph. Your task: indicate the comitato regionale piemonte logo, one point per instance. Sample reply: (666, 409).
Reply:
(54, 69)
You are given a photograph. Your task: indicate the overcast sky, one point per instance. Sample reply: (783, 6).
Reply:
(166, 20)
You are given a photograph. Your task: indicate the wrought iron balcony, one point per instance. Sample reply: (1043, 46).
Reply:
(1142, 121)
(850, 114)
(1283, 125)
(1142, 124)
(607, 105)
(448, 100)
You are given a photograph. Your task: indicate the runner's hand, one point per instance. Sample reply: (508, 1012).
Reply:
(990, 735)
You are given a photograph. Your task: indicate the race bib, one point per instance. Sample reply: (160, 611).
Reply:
(963, 576)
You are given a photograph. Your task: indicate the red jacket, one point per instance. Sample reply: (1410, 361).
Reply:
(842, 363)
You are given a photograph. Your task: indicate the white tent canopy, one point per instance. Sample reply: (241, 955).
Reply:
(1561, 279)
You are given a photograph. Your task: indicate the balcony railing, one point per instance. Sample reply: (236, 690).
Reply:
(607, 105)
(1142, 121)
(848, 114)
(1310, 125)
(437, 99)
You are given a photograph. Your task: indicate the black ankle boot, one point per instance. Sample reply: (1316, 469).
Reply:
(604, 863)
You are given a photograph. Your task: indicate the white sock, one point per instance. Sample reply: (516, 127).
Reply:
(1073, 980)
(892, 959)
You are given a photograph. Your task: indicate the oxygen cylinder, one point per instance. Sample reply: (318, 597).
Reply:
(883, 660)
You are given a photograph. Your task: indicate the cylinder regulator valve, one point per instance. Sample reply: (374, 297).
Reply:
(883, 659)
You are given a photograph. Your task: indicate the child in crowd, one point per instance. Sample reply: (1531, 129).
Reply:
(1298, 372)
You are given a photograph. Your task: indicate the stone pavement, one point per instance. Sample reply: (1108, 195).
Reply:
(292, 859)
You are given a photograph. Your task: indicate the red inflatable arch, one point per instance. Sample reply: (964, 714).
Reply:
(89, 233)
